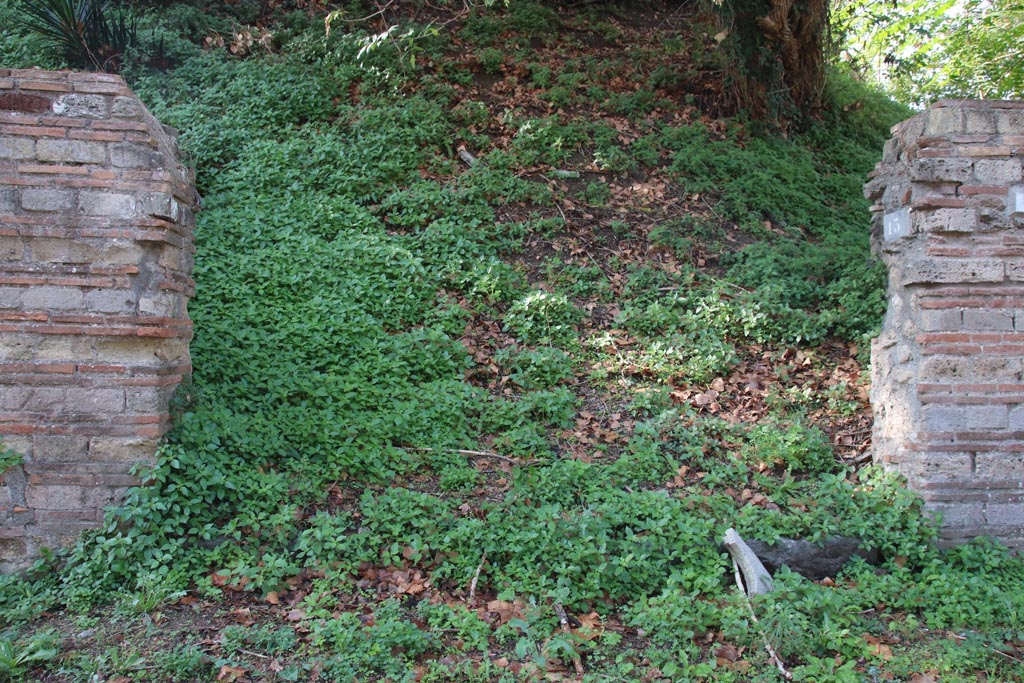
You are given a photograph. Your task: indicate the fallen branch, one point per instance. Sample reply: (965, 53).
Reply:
(990, 649)
(476, 577)
(779, 664)
(563, 619)
(475, 454)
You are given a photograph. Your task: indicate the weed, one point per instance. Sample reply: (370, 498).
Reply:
(19, 657)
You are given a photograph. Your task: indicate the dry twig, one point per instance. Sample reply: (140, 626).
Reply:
(476, 454)
(779, 664)
(476, 577)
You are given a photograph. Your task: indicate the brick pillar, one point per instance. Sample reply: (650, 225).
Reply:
(95, 262)
(948, 368)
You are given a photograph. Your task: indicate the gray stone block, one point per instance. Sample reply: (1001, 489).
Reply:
(98, 203)
(8, 199)
(936, 170)
(1005, 515)
(942, 319)
(159, 205)
(94, 400)
(983, 319)
(946, 220)
(71, 151)
(11, 248)
(944, 121)
(126, 108)
(1010, 122)
(980, 121)
(949, 271)
(81, 106)
(49, 448)
(959, 515)
(967, 417)
(44, 199)
(52, 298)
(17, 149)
(30, 399)
(997, 171)
(111, 301)
(129, 155)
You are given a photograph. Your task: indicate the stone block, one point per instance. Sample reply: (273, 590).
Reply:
(1015, 270)
(942, 319)
(11, 248)
(81, 106)
(985, 319)
(1005, 515)
(162, 303)
(45, 199)
(944, 121)
(980, 121)
(8, 199)
(946, 220)
(126, 108)
(59, 497)
(1010, 122)
(59, 347)
(148, 400)
(16, 148)
(122, 448)
(52, 298)
(938, 467)
(942, 169)
(959, 515)
(59, 250)
(968, 417)
(126, 351)
(96, 401)
(50, 448)
(949, 271)
(31, 399)
(17, 347)
(129, 155)
(71, 151)
(111, 301)
(997, 171)
(107, 204)
(12, 549)
(159, 205)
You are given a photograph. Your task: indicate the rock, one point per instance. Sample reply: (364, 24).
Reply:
(809, 559)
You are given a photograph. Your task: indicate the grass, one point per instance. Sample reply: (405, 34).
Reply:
(435, 404)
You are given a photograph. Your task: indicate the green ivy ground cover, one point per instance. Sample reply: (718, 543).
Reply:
(401, 363)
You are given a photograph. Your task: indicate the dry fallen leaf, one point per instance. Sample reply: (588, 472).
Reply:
(230, 673)
(590, 626)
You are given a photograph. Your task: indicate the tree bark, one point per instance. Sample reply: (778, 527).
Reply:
(797, 29)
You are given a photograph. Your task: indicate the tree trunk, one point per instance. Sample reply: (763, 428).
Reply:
(797, 29)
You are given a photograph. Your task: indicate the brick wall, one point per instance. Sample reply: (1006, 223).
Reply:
(95, 258)
(948, 368)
